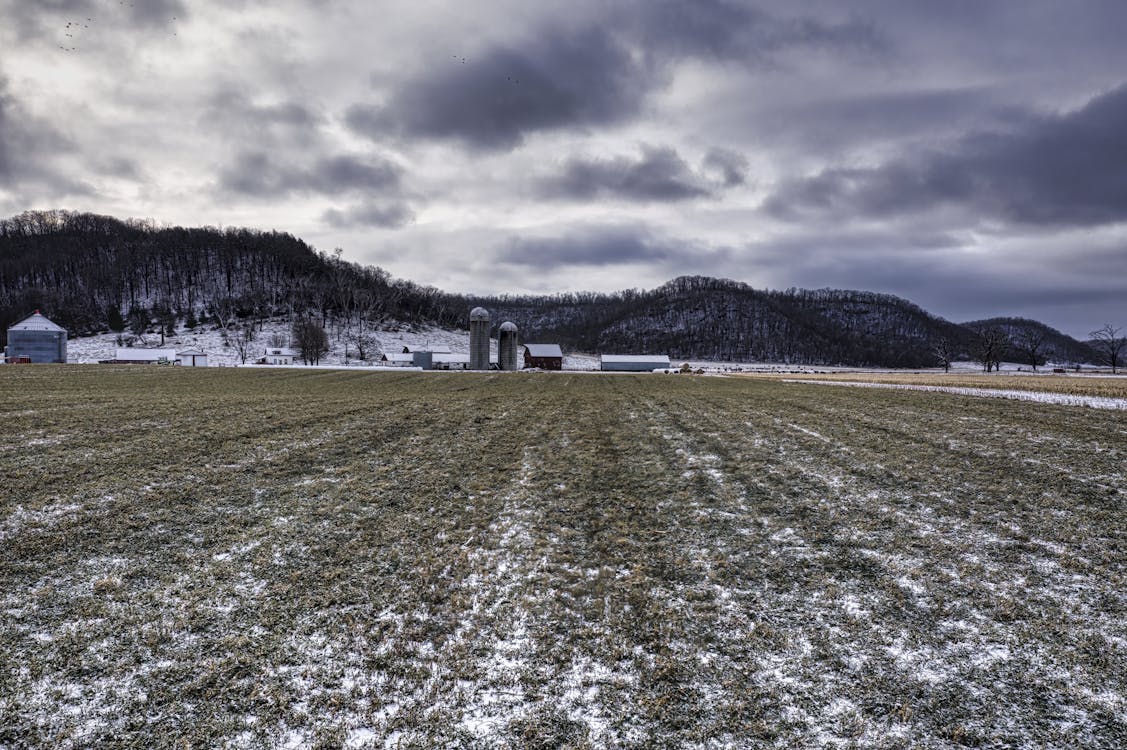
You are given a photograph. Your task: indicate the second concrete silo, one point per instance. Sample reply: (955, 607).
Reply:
(479, 339)
(507, 346)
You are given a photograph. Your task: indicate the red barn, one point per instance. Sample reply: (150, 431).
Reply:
(544, 356)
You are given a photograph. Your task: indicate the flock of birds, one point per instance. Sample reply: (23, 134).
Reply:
(72, 28)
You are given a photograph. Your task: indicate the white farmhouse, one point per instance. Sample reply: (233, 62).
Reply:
(279, 356)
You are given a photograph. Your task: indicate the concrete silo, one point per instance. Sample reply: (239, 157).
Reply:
(479, 339)
(507, 346)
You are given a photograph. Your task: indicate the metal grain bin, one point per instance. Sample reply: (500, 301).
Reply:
(38, 340)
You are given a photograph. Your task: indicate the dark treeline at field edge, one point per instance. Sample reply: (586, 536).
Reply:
(94, 273)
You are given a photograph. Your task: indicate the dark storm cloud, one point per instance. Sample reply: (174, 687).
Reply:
(1067, 169)
(493, 100)
(601, 246)
(263, 175)
(658, 175)
(389, 216)
(589, 76)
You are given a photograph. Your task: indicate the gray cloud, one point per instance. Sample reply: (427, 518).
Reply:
(1065, 169)
(28, 148)
(263, 175)
(157, 12)
(587, 77)
(658, 175)
(556, 80)
(729, 166)
(602, 246)
(48, 18)
(389, 216)
(236, 110)
(720, 30)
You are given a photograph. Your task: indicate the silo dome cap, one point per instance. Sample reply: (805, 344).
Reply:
(509, 326)
(479, 313)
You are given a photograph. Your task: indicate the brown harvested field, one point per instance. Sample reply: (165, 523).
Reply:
(1072, 385)
(330, 559)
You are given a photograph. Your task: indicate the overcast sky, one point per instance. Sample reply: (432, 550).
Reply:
(968, 155)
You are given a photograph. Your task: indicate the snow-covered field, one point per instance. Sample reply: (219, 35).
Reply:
(210, 340)
(315, 558)
(1092, 402)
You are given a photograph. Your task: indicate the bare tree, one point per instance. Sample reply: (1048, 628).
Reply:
(310, 340)
(1030, 342)
(1109, 344)
(945, 352)
(243, 340)
(992, 344)
(278, 340)
(365, 343)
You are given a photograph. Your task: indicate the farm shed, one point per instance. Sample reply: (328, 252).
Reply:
(438, 360)
(544, 356)
(129, 356)
(192, 358)
(397, 359)
(633, 362)
(37, 340)
(278, 356)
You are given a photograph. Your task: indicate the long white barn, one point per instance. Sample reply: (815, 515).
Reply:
(633, 362)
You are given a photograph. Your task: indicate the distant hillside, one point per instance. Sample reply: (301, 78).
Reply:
(89, 272)
(94, 273)
(709, 318)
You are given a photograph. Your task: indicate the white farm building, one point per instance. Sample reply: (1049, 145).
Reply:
(279, 356)
(130, 356)
(633, 362)
(192, 358)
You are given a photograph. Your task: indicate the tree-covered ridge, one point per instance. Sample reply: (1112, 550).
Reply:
(93, 273)
(83, 268)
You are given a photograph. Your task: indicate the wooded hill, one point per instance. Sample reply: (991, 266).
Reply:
(93, 273)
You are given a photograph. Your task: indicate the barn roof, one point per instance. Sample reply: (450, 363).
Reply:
(543, 350)
(191, 353)
(36, 322)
